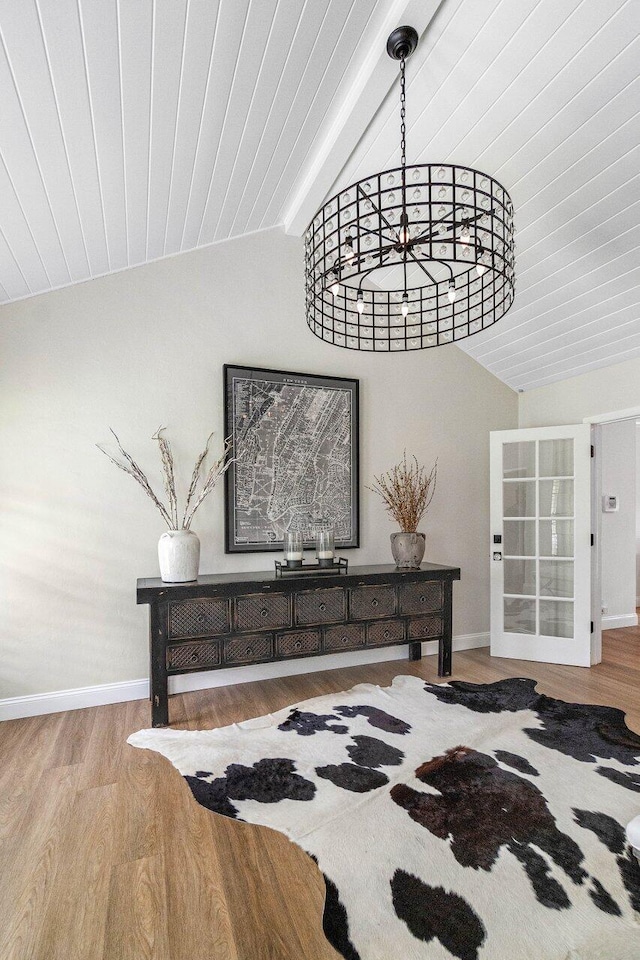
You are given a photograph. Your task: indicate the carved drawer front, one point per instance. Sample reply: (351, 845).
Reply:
(198, 618)
(391, 631)
(298, 644)
(262, 612)
(345, 637)
(420, 597)
(248, 649)
(320, 606)
(186, 656)
(369, 603)
(424, 627)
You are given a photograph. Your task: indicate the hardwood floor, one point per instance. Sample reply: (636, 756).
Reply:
(104, 855)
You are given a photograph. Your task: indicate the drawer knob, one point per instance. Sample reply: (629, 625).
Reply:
(193, 658)
(201, 618)
(249, 651)
(344, 639)
(264, 612)
(374, 602)
(323, 606)
(298, 644)
(423, 599)
(386, 635)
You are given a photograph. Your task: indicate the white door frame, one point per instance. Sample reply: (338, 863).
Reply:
(597, 421)
(580, 649)
(633, 413)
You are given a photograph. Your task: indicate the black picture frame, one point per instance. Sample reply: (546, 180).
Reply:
(286, 395)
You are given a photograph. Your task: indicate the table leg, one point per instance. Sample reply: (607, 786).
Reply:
(159, 683)
(415, 650)
(445, 655)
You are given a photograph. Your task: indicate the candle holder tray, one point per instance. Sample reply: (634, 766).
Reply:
(311, 568)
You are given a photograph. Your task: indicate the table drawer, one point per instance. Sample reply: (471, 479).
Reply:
(263, 612)
(298, 644)
(369, 603)
(248, 649)
(344, 637)
(320, 606)
(191, 656)
(424, 627)
(198, 618)
(420, 597)
(390, 631)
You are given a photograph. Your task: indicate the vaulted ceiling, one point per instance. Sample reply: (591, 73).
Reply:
(134, 129)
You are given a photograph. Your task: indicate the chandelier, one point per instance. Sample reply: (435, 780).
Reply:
(414, 257)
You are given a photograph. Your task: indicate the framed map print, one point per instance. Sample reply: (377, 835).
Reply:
(295, 448)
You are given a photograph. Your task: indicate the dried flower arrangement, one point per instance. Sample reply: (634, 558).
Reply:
(407, 491)
(199, 488)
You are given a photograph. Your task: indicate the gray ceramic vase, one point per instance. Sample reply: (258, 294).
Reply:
(407, 549)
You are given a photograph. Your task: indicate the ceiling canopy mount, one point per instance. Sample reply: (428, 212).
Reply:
(402, 42)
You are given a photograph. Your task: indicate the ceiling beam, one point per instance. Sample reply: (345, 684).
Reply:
(371, 75)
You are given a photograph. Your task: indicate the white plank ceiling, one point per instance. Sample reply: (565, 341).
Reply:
(134, 129)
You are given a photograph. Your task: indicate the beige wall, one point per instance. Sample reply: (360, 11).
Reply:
(570, 401)
(145, 347)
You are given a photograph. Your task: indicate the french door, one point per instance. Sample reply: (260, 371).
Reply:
(541, 544)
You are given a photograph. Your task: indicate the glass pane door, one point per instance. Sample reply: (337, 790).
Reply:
(537, 507)
(540, 568)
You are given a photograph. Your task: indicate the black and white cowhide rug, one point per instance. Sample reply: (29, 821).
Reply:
(456, 820)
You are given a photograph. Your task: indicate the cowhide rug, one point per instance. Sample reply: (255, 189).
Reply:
(454, 820)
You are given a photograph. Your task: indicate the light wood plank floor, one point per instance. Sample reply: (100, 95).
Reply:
(104, 855)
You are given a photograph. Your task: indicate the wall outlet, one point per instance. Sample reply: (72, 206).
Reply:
(605, 610)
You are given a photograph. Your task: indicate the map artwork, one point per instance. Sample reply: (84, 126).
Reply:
(295, 449)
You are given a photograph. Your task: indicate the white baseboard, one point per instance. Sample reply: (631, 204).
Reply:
(15, 708)
(613, 623)
(36, 704)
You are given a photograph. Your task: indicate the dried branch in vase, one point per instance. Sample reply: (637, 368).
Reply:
(407, 491)
(195, 498)
(166, 456)
(199, 488)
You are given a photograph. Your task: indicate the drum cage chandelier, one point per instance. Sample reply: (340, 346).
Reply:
(449, 226)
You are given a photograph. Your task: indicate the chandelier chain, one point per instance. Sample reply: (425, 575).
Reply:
(403, 129)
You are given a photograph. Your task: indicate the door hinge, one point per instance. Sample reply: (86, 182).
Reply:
(593, 450)
(593, 539)
(592, 626)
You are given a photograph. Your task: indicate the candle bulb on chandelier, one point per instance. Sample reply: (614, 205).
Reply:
(348, 252)
(451, 293)
(405, 304)
(404, 234)
(360, 302)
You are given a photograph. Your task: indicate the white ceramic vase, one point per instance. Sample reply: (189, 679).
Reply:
(179, 556)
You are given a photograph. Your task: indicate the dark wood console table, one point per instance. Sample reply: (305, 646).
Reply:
(232, 620)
